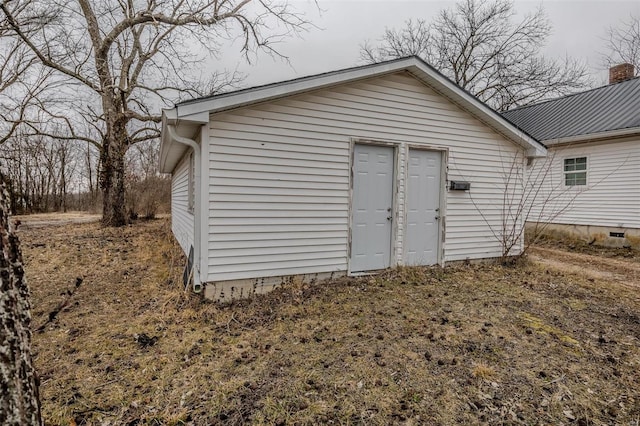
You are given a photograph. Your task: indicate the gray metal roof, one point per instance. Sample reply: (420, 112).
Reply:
(605, 109)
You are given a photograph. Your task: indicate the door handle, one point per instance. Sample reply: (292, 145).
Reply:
(437, 217)
(389, 217)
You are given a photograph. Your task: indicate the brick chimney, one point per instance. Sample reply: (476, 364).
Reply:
(620, 73)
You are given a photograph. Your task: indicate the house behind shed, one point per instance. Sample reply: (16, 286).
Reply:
(590, 181)
(346, 172)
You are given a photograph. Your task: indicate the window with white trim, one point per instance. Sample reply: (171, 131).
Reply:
(575, 171)
(192, 182)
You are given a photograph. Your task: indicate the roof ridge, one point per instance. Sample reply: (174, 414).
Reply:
(571, 95)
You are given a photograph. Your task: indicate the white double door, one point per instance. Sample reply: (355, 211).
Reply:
(372, 207)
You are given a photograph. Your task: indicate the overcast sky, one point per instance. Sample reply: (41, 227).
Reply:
(578, 31)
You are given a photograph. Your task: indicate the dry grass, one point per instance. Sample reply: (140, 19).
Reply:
(569, 242)
(476, 344)
(483, 371)
(54, 219)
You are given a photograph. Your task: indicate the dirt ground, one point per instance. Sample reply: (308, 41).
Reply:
(555, 340)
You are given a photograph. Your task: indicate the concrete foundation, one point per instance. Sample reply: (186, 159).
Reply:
(227, 291)
(606, 236)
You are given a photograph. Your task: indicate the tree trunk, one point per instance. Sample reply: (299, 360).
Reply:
(13, 197)
(19, 399)
(112, 179)
(63, 181)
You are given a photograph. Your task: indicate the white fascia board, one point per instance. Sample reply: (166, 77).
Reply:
(199, 117)
(185, 126)
(592, 137)
(169, 115)
(175, 116)
(536, 152)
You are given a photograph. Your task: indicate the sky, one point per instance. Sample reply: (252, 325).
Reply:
(341, 27)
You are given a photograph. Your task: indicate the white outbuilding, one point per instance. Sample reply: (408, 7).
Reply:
(346, 172)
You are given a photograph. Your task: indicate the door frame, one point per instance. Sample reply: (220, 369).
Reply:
(444, 161)
(393, 258)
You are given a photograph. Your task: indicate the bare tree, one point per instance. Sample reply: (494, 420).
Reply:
(521, 198)
(89, 175)
(39, 171)
(478, 45)
(529, 195)
(126, 57)
(19, 399)
(147, 191)
(21, 83)
(532, 192)
(623, 44)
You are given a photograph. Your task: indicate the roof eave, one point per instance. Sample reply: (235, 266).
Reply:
(187, 126)
(593, 137)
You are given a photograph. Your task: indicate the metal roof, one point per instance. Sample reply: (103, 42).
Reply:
(598, 111)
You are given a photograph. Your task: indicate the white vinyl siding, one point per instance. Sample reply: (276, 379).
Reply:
(280, 175)
(611, 196)
(181, 216)
(191, 182)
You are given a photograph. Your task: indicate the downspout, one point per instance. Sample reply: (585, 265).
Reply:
(197, 284)
(527, 162)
